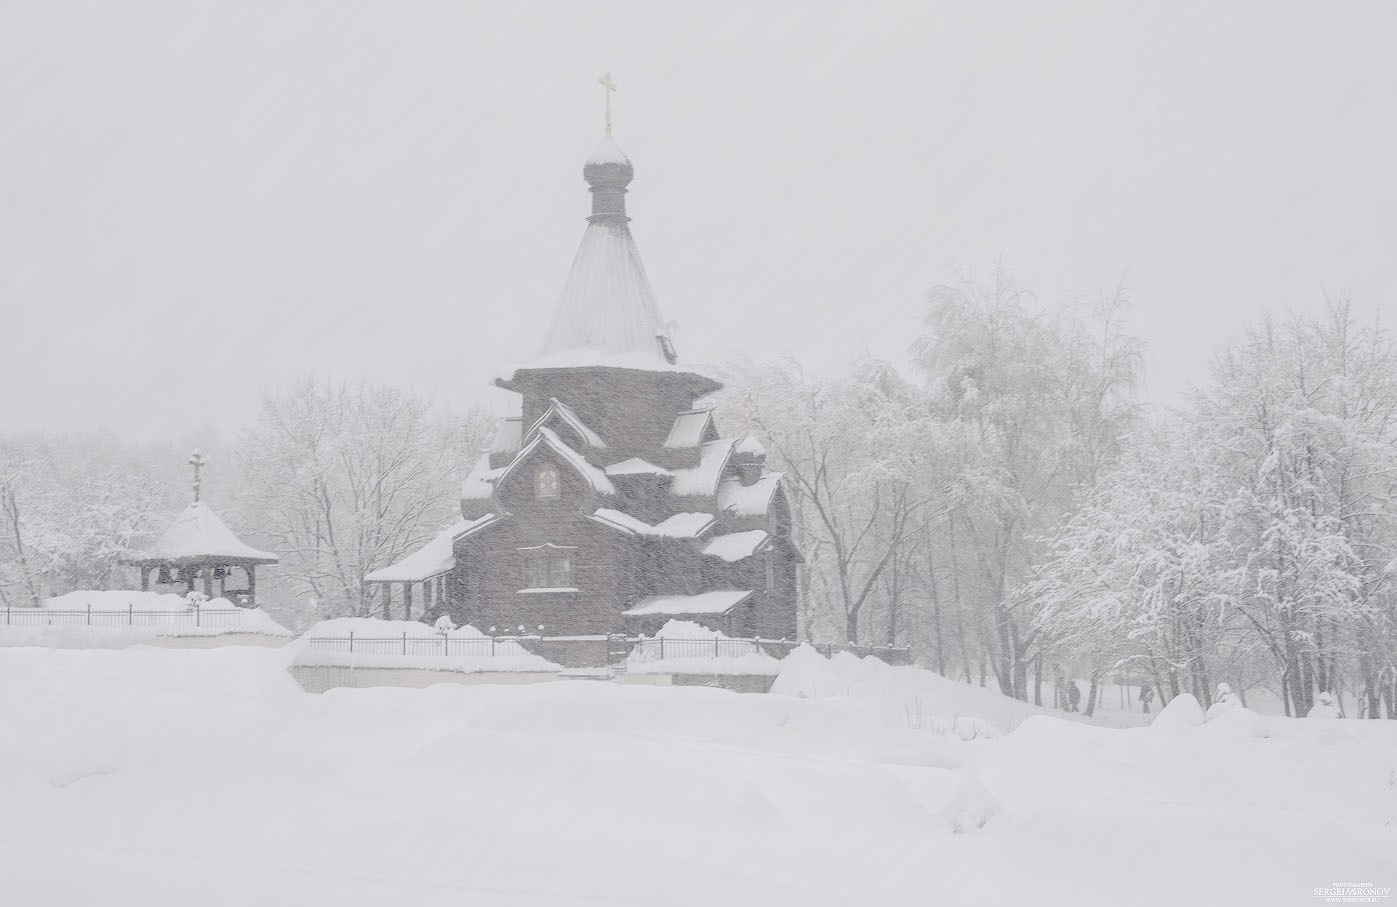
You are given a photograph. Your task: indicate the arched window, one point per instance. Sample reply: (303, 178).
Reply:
(546, 482)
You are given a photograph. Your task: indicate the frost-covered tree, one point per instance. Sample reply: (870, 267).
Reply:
(342, 480)
(1259, 526)
(72, 508)
(1039, 400)
(855, 454)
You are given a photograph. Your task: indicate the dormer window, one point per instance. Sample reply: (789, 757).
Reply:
(546, 483)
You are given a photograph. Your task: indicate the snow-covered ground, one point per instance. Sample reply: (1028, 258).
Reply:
(156, 777)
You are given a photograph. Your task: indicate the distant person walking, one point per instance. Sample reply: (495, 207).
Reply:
(1146, 697)
(1074, 695)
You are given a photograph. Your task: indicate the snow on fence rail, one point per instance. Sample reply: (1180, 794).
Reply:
(640, 648)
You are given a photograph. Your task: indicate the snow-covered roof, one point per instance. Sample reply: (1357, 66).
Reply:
(508, 435)
(748, 500)
(592, 475)
(750, 447)
(581, 357)
(197, 534)
(688, 429)
(685, 525)
(635, 466)
(432, 559)
(719, 601)
(734, 546)
(479, 484)
(703, 478)
(608, 153)
(607, 304)
(678, 526)
(616, 519)
(558, 409)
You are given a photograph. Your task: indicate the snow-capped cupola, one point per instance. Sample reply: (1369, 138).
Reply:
(607, 312)
(749, 458)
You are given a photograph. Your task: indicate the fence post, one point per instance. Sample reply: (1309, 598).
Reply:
(404, 642)
(662, 648)
(715, 647)
(89, 614)
(7, 614)
(445, 643)
(492, 645)
(196, 614)
(130, 615)
(351, 640)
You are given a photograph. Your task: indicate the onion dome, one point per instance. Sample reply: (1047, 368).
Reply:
(749, 450)
(608, 166)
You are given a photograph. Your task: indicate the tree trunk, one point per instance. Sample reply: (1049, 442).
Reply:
(11, 506)
(1091, 693)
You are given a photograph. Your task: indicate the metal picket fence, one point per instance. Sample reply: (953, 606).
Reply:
(220, 618)
(638, 648)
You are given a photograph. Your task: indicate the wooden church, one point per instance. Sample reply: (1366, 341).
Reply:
(613, 503)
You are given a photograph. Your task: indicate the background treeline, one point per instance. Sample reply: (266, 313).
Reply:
(1001, 502)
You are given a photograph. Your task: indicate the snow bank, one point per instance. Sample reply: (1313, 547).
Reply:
(123, 600)
(924, 699)
(362, 642)
(116, 618)
(154, 773)
(687, 651)
(1182, 711)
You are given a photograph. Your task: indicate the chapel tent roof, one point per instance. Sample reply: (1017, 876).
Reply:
(607, 304)
(432, 559)
(719, 601)
(198, 536)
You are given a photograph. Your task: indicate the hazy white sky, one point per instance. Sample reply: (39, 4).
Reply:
(202, 201)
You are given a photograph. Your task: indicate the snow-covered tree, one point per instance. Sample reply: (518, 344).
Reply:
(342, 480)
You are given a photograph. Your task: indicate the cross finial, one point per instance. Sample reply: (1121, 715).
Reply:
(196, 459)
(609, 86)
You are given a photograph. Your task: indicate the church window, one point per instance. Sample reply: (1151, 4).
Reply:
(547, 570)
(546, 482)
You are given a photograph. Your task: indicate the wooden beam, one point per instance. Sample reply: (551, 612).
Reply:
(251, 585)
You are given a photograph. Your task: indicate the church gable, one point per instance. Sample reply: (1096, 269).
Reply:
(545, 468)
(564, 421)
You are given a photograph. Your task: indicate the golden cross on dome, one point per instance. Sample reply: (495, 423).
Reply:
(609, 86)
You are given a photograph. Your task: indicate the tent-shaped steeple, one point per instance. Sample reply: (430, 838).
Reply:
(607, 311)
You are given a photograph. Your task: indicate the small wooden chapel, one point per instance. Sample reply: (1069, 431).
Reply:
(613, 502)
